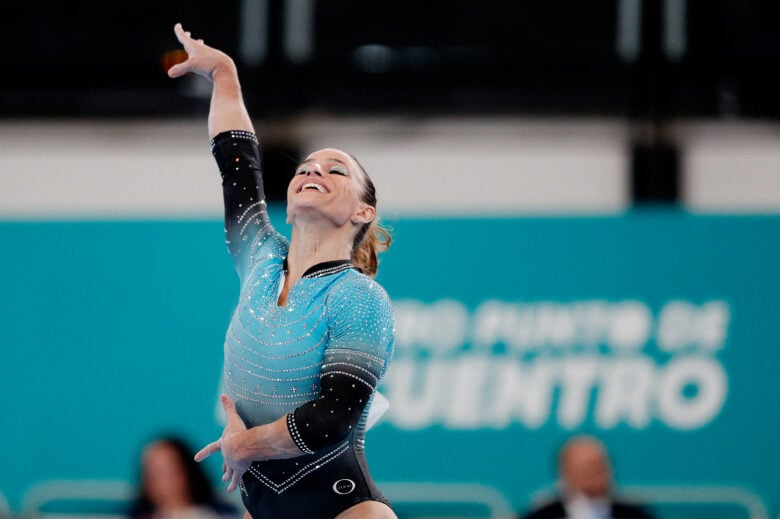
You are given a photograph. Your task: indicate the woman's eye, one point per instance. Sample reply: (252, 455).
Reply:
(300, 172)
(338, 172)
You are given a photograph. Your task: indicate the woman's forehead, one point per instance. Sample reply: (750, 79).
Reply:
(333, 154)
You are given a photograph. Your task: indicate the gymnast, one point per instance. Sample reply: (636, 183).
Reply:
(312, 333)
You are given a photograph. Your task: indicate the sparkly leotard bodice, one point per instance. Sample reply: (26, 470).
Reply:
(274, 354)
(328, 346)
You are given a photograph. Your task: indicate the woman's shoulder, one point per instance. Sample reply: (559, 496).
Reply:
(268, 246)
(359, 308)
(354, 290)
(357, 284)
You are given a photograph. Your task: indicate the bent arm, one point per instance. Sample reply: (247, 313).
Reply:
(264, 442)
(313, 426)
(345, 392)
(361, 345)
(358, 353)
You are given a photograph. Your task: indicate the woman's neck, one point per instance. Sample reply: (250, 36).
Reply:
(310, 246)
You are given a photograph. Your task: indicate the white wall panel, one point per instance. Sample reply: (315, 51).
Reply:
(437, 166)
(487, 166)
(119, 169)
(733, 167)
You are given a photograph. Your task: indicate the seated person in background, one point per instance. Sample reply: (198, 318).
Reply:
(586, 490)
(174, 486)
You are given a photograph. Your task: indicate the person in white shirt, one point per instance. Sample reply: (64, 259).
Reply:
(586, 486)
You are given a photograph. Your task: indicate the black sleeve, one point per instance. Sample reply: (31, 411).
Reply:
(237, 154)
(360, 326)
(333, 416)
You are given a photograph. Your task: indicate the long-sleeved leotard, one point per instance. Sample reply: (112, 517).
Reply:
(317, 359)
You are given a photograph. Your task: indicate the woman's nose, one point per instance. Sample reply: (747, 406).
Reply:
(314, 169)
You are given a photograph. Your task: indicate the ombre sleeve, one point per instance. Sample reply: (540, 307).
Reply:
(361, 330)
(247, 225)
(359, 351)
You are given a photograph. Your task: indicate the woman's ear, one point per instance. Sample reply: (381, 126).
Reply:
(365, 214)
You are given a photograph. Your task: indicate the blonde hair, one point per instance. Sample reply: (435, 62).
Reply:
(372, 238)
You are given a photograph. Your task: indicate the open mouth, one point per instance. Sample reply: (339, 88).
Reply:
(313, 186)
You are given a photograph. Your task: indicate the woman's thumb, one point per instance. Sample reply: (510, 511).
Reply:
(227, 403)
(176, 71)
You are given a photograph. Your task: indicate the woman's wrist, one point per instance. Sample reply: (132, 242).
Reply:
(247, 448)
(225, 70)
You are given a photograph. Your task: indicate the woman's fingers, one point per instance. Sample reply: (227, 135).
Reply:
(227, 403)
(182, 68)
(231, 415)
(236, 479)
(201, 59)
(185, 37)
(181, 35)
(208, 450)
(178, 70)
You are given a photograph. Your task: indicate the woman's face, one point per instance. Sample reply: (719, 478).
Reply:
(164, 476)
(327, 184)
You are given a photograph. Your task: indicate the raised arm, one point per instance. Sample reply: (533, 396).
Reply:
(227, 110)
(234, 147)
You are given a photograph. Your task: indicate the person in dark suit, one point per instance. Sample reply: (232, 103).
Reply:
(586, 486)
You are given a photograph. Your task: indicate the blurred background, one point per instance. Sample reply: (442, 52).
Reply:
(585, 201)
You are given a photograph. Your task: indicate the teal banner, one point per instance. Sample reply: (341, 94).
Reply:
(655, 331)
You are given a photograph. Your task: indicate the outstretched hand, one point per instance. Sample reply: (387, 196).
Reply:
(231, 443)
(201, 59)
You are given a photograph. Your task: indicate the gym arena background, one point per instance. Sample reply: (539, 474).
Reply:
(585, 201)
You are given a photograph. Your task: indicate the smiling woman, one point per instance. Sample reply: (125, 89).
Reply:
(371, 238)
(312, 333)
(332, 173)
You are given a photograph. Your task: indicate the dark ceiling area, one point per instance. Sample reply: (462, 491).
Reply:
(633, 58)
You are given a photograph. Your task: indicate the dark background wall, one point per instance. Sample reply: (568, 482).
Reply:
(638, 58)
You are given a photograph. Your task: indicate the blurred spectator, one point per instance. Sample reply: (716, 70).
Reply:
(174, 486)
(586, 486)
